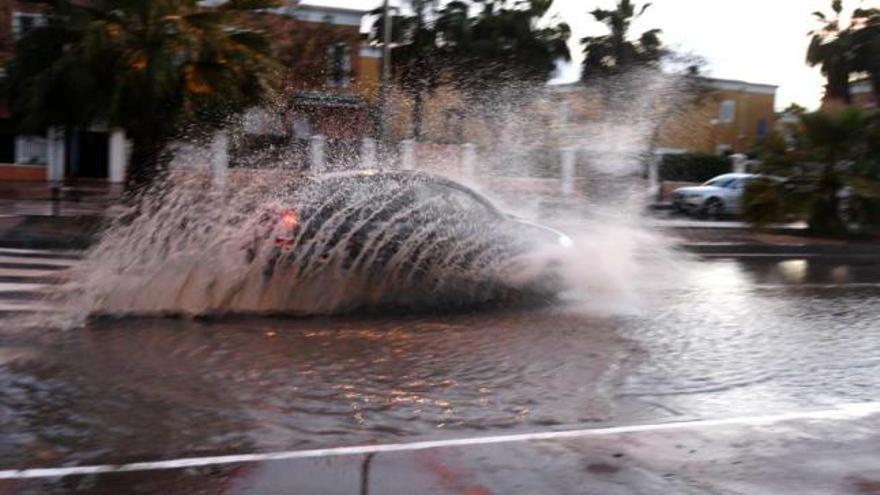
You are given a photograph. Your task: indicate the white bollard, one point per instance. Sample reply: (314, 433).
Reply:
(55, 153)
(220, 157)
(316, 152)
(468, 159)
(408, 154)
(368, 153)
(118, 156)
(568, 157)
(739, 162)
(654, 175)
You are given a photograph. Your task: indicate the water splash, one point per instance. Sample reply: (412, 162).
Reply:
(360, 240)
(192, 246)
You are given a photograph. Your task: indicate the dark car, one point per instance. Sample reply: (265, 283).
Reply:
(407, 229)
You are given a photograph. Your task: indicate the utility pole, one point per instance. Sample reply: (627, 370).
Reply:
(385, 80)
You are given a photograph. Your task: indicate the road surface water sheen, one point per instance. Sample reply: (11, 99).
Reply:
(728, 338)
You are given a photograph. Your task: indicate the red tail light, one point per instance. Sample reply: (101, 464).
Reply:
(285, 230)
(289, 220)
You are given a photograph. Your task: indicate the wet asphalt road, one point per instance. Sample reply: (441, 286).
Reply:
(719, 338)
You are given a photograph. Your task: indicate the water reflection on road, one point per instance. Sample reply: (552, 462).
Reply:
(726, 338)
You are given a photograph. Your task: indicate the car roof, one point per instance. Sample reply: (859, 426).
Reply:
(412, 175)
(734, 176)
(373, 172)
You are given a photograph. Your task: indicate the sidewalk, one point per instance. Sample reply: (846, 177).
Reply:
(78, 198)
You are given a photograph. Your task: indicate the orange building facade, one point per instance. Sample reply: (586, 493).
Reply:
(330, 88)
(725, 116)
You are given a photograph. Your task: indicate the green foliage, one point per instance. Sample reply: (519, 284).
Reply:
(152, 68)
(474, 45)
(693, 167)
(842, 51)
(832, 172)
(615, 53)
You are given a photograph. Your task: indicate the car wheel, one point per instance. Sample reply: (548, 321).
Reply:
(713, 208)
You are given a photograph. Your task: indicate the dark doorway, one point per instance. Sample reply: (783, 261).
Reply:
(89, 155)
(7, 142)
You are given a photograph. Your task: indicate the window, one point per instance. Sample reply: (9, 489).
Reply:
(22, 22)
(762, 127)
(722, 181)
(728, 112)
(453, 200)
(338, 65)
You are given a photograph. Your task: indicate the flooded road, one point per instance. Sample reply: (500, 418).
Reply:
(728, 338)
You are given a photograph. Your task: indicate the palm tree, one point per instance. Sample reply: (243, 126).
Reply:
(831, 49)
(505, 44)
(615, 53)
(476, 52)
(834, 150)
(153, 68)
(498, 57)
(415, 55)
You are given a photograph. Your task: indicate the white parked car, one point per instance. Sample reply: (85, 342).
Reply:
(719, 196)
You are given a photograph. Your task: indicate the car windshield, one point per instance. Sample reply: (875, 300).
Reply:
(454, 198)
(726, 182)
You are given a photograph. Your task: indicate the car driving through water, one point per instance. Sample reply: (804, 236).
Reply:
(412, 230)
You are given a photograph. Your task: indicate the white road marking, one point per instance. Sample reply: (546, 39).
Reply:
(25, 307)
(842, 412)
(28, 273)
(23, 287)
(63, 263)
(38, 272)
(73, 256)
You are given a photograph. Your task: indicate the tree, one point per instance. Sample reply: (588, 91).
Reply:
(865, 35)
(502, 44)
(499, 57)
(831, 49)
(153, 68)
(795, 109)
(415, 55)
(835, 156)
(615, 53)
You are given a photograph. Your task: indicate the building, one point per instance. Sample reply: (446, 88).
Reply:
(332, 83)
(330, 89)
(28, 153)
(720, 116)
(730, 117)
(715, 116)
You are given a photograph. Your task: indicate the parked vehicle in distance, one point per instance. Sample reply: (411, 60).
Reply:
(719, 196)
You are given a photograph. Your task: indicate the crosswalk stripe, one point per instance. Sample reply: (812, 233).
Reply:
(25, 307)
(40, 253)
(26, 272)
(37, 263)
(12, 287)
(27, 276)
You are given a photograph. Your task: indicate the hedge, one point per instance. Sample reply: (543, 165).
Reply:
(693, 167)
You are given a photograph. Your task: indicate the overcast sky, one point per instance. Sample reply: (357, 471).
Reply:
(762, 41)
